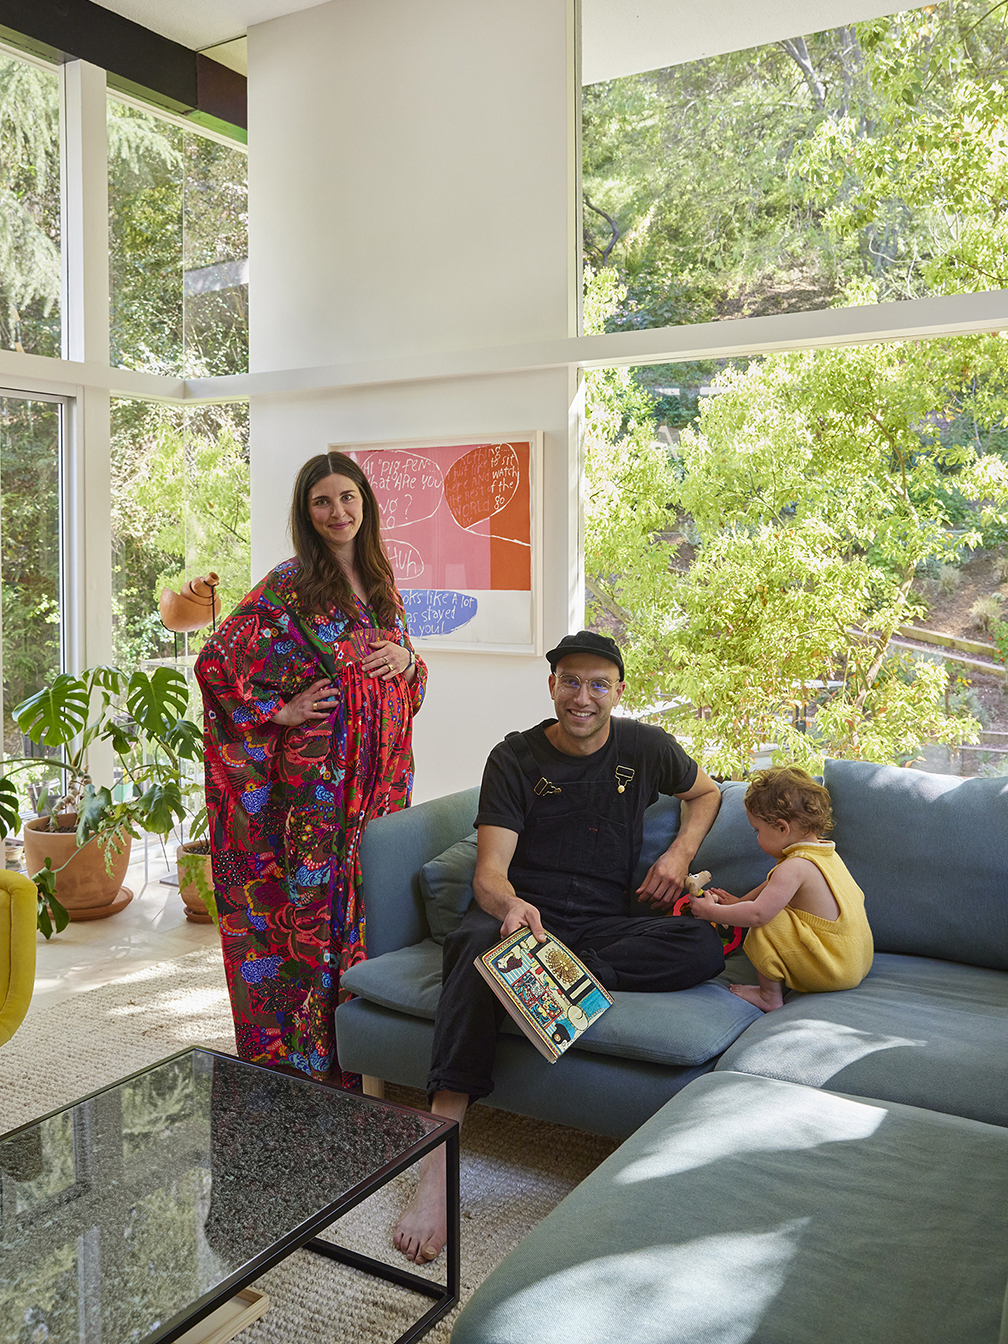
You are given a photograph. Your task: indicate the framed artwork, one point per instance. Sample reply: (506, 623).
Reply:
(462, 524)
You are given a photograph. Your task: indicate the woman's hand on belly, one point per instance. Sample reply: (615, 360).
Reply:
(317, 702)
(388, 660)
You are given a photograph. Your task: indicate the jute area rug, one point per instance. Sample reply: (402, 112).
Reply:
(513, 1170)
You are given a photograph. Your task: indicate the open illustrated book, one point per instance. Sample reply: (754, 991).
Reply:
(552, 996)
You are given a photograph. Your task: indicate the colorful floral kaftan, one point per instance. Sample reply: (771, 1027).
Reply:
(288, 807)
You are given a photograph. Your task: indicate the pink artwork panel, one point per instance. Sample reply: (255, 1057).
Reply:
(455, 516)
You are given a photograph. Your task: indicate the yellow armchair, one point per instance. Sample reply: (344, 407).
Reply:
(18, 914)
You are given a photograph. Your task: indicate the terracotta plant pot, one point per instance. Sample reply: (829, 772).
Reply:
(195, 906)
(194, 607)
(83, 887)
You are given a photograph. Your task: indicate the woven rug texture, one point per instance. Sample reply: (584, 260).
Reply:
(513, 1170)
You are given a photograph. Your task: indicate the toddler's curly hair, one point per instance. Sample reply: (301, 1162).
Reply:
(787, 793)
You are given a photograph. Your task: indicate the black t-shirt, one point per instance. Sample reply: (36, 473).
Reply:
(578, 845)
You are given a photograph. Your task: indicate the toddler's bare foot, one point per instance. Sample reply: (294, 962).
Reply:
(423, 1229)
(764, 999)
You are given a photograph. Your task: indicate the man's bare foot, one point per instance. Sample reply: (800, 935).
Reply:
(423, 1229)
(764, 999)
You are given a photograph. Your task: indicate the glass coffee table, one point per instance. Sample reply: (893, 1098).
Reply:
(133, 1214)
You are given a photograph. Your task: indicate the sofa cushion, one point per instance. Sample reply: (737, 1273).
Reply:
(748, 1209)
(446, 883)
(686, 1028)
(924, 1032)
(930, 853)
(393, 850)
(407, 980)
(689, 1026)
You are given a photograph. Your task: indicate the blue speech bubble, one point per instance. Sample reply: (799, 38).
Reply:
(437, 611)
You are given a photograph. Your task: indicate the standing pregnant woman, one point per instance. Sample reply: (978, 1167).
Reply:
(309, 691)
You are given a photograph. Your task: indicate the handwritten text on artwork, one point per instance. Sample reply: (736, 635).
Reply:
(437, 611)
(481, 482)
(407, 486)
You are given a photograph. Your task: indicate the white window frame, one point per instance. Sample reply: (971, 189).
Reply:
(85, 382)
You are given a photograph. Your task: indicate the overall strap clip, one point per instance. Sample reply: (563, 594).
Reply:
(530, 767)
(628, 734)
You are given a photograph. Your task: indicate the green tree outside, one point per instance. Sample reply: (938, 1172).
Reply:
(858, 165)
(770, 180)
(177, 208)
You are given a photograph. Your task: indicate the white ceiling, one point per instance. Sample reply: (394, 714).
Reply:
(623, 37)
(203, 23)
(619, 37)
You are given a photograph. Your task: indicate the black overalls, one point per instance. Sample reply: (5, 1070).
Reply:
(573, 861)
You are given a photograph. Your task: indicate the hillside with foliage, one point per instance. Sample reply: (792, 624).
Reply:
(860, 165)
(769, 180)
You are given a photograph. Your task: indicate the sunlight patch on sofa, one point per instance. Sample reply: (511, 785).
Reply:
(817, 1048)
(712, 1288)
(738, 1121)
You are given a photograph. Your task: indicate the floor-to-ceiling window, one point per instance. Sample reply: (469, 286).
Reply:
(178, 246)
(857, 164)
(770, 534)
(30, 255)
(180, 510)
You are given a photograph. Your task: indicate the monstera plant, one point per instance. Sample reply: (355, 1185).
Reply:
(142, 717)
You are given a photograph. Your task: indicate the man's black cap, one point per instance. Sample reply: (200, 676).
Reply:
(587, 641)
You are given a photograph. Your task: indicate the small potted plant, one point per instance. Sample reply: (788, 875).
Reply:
(77, 855)
(195, 877)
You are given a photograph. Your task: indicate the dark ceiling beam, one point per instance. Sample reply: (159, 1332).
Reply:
(221, 92)
(138, 61)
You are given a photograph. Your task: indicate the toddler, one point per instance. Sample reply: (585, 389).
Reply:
(807, 923)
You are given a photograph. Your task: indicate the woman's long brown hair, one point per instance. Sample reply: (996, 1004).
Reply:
(321, 583)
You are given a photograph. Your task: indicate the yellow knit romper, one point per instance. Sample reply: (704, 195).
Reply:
(807, 952)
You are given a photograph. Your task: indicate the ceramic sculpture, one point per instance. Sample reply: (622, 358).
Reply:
(195, 606)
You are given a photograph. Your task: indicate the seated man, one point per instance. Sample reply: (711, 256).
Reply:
(560, 829)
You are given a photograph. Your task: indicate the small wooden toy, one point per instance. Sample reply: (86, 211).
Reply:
(695, 883)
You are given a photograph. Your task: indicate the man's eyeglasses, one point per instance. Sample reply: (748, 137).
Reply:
(598, 688)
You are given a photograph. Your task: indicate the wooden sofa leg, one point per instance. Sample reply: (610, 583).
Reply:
(373, 1087)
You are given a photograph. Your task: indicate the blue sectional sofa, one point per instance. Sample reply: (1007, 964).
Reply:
(928, 1027)
(836, 1171)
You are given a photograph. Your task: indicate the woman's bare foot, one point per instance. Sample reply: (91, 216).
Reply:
(423, 1229)
(766, 999)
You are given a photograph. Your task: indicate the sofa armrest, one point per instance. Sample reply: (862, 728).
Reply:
(393, 850)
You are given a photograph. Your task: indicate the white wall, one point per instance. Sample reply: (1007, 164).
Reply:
(407, 178)
(409, 191)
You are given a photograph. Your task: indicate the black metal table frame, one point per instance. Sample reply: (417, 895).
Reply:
(306, 1236)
